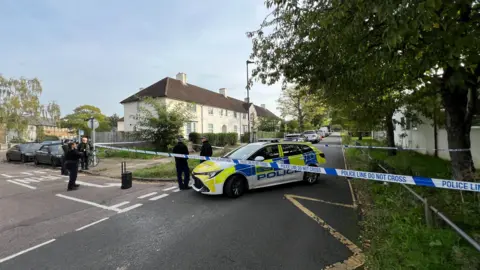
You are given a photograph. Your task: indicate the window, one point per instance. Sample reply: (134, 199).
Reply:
(221, 112)
(224, 129)
(190, 127)
(306, 148)
(235, 114)
(210, 111)
(268, 152)
(210, 128)
(244, 115)
(235, 129)
(245, 128)
(226, 112)
(192, 107)
(291, 150)
(243, 152)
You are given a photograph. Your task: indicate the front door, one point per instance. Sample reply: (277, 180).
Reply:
(265, 176)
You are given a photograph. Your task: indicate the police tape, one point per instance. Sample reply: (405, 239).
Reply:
(383, 177)
(388, 147)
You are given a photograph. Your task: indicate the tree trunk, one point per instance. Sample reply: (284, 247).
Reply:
(458, 116)
(390, 133)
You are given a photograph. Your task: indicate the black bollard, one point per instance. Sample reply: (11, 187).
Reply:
(126, 176)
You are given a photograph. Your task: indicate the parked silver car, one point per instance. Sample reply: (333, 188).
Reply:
(311, 136)
(296, 137)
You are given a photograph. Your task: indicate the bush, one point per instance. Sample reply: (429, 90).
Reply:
(194, 137)
(245, 137)
(17, 140)
(51, 138)
(222, 139)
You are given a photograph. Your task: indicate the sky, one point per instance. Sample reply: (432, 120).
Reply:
(100, 52)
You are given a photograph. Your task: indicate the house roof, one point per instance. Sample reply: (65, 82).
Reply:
(175, 89)
(121, 119)
(38, 121)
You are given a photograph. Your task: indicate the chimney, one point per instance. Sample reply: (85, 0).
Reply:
(182, 77)
(223, 91)
(263, 106)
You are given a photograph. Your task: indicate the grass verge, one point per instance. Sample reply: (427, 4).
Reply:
(111, 153)
(394, 233)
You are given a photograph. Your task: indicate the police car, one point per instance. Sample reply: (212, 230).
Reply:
(214, 177)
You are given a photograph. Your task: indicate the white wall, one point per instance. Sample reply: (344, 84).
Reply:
(422, 137)
(120, 126)
(30, 134)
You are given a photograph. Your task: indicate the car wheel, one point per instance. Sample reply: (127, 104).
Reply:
(8, 158)
(54, 163)
(311, 178)
(35, 160)
(23, 159)
(235, 186)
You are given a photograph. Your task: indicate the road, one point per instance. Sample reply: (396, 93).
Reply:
(294, 226)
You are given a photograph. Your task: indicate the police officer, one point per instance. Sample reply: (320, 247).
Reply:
(65, 150)
(85, 148)
(182, 164)
(206, 149)
(71, 164)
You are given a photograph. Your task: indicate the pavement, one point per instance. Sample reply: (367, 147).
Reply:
(152, 226)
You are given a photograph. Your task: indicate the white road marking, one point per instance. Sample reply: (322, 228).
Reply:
(147, 195)
(176, 190)
(91, 224)
(39, 172)
(26, 173)
(130, 208)
(6, 175)
(25, 185)
(170, 188)
(119, 204)
(27, 180)
(88, 202)
(159, 197)
(96, 185)
(25, 251)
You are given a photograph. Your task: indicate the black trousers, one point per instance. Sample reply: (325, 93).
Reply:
(72, 167)
(183, 169)
(84, 161)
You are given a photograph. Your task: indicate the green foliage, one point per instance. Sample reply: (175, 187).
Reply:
(222, 139)
(40, 134)
(161, 124)
(113, 120)
(18, 98)
(77, 119)
(110, 153)
(292, 126)
(404, 239)
(245, 138)
(51, 138)
(267, 124)
(194, 137)
(17, 140)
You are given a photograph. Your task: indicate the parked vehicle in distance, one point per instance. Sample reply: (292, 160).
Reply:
(51, 142)
(311, 136)
(51, 154)
(326, 131)
(22, 152)
(321, 134)
(296, 137)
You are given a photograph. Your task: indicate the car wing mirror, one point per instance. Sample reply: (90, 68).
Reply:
(259, 158)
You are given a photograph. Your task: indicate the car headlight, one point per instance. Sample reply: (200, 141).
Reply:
(58, 155)
(210, 174)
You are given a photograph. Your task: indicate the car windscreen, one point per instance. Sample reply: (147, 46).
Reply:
(23, 147)
(32, 147)
(293, 136)
(243, 152)
(309, 132)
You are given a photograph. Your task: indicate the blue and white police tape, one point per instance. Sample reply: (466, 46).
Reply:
(383, 177)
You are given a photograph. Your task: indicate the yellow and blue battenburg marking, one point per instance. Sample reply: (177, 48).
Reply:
(247, 167)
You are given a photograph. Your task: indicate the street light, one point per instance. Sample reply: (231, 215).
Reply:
(248, 102)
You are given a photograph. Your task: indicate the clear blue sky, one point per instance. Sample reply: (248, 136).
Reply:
(100, 52)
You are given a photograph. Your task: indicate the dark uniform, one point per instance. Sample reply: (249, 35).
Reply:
(182, 165)
(71, 164)
(85, 149)
(206, 150)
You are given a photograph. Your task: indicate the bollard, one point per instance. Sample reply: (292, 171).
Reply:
(126, 176)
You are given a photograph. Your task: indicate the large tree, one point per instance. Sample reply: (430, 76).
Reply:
(78, 119)
(374, 50)
(19, 100)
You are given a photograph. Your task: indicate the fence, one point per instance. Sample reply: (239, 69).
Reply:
(114, 136)
(428, 209)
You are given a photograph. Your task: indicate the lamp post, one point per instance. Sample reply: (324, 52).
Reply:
(248, 102)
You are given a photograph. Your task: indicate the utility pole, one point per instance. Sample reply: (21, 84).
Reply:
(248, 102)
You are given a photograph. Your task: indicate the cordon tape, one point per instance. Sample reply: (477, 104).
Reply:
(383, 177)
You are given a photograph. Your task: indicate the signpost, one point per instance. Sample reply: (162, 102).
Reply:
(93, 124)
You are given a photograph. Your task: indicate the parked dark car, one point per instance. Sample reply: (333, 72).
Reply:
(49, 154)
(22, 152)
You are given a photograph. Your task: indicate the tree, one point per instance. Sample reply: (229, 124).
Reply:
(375, 50)
(113, 120)
(19, 99)
(292, 126)
(53, 112)
(160, 123)
(267, 124)
(77, 120)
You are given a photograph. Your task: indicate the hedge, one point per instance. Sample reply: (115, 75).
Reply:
(215, 139)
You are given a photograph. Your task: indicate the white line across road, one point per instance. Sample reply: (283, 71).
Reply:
(130, 208)
(176, 190)
(88, 202)
(119, 204)
(21, 184)
(159, 197)
(6, 175)
(25, 251)
(91, 224)
(147, 195)
(170, 188)
(26, 173)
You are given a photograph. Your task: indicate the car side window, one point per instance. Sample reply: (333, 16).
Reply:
(43, 148)
(291, 150)
(306, 149)
(268, 152)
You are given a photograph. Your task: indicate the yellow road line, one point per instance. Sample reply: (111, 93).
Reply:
(349, 180)
(354, 261)
(319, 200)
